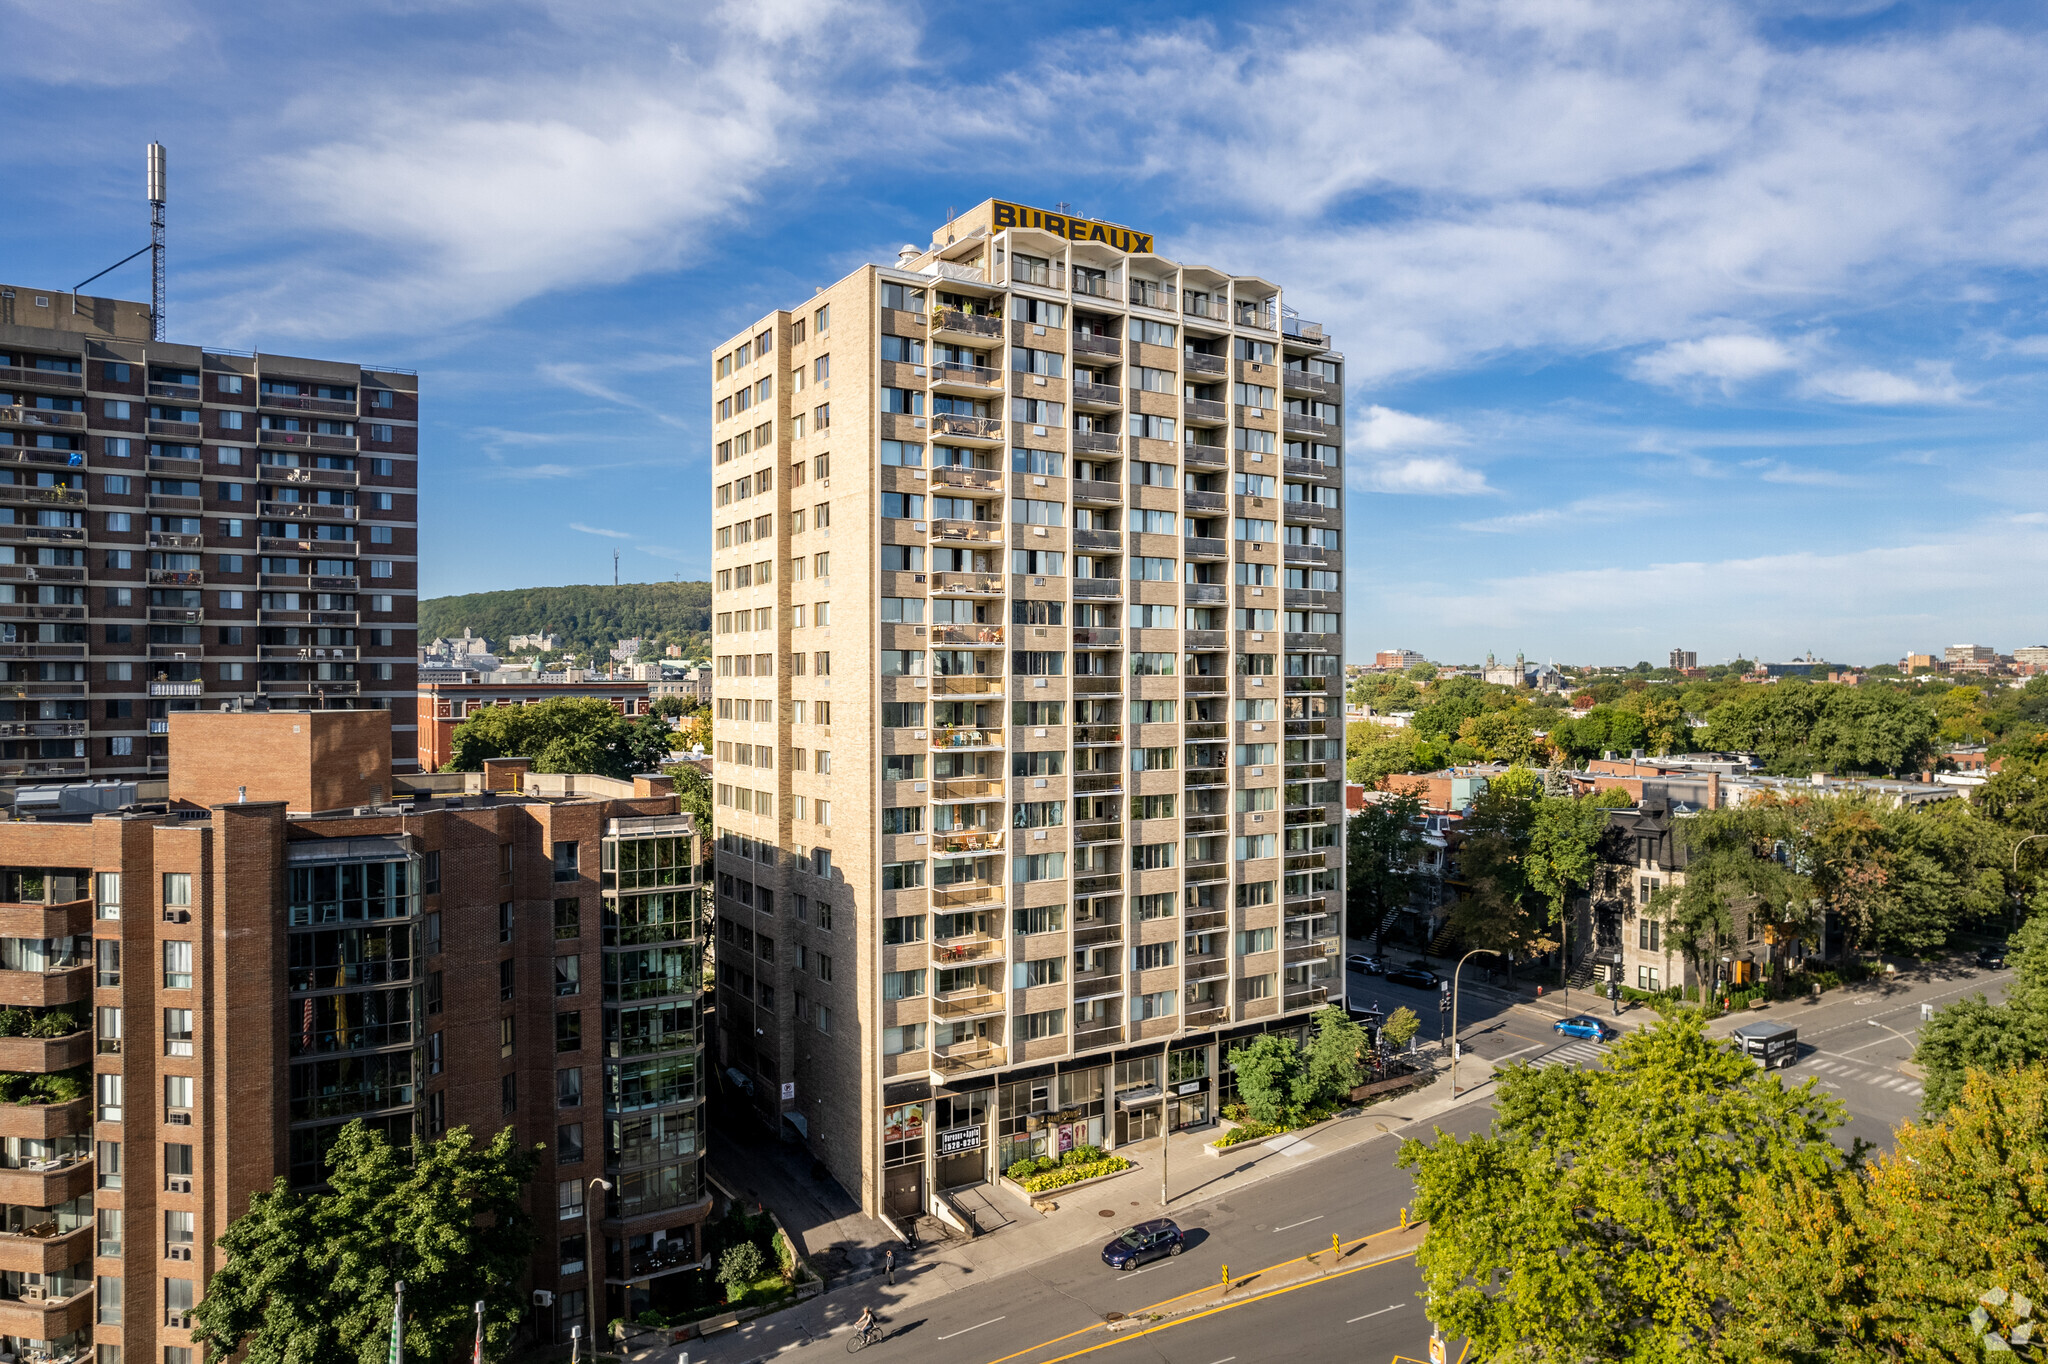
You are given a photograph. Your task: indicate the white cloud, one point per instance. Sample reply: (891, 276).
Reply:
(1384, 428)
(1880, 388)
(599, 530)
(1436, 474)
(1583, 511)
(1727, 359)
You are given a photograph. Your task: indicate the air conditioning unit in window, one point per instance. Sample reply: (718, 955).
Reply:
(177, 916)
(178, 1185)
(181, 1118)
(178, 1253)
(34, 1292)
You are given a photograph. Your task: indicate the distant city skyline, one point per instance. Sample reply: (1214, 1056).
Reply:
(1653, 317)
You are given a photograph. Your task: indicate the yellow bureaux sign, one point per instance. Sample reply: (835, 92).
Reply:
(1072, 228)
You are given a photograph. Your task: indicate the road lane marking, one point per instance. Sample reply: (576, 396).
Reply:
(1226, 1306)
(1226, 1359)
(976, 1327)
(1302, 1223)
(1382, 1312)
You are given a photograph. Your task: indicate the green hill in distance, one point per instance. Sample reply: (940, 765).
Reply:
(590, 617)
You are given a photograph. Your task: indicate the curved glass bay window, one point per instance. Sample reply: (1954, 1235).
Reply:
(353, 1031)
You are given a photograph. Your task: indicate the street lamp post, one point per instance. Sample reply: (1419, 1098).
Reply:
(1475, 952)
(594, 1258)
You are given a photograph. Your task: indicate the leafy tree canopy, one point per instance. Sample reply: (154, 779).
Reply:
(1587, 1223)
(309, 1276)
(567, 734)
(1975, 1034)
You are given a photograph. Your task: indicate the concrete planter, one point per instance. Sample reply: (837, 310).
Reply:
(1063, 1190)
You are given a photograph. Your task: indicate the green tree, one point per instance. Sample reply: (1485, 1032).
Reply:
(1729, 871)
(1501, 736)
(1975, 1034)
(562, 735)
(1267, 1072)
(1335, 1061)
(693, 792)
(1867, 1269)
(1501, 908)
(1564, 842)
(591, 618)
(1382, 843)
(309, 1276)
(1585, 1225)
(1401, 1025)
(738, 1268)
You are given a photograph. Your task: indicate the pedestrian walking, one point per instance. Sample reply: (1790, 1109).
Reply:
(889, 1260)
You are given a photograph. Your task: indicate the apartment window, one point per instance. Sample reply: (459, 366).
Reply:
(109, 1231)
(109, 1286)
(107, 895)
(1050, 1023)
(568, 976)
(107, 1157)
(177, 1032)
(568, 919)
(902, 984)
(565, 861)
(436, 1056)
(177, 965)
(508, 1094)
(178, 1099)
(569, 1087)
(107, 1094)
(505, 981)
(1254, 940)
(108, 971)
(569, 1199)
(177, 889)
(117, 522)
(505, 916)
(433, 992)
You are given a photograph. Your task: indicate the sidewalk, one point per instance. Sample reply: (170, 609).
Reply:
(1077, 1219)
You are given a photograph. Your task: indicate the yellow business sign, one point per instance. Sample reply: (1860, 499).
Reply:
(1072, 228)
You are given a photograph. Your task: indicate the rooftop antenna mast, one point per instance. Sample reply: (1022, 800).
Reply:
(156, 241)
(155, 248)
(615, 568)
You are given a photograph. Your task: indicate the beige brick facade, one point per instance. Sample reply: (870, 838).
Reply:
(1027, 740)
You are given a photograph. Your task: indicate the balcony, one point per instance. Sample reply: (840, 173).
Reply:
(1098, 539)
(1205, 409)
(46, 1183)
(1098, 587)
(1197, 777)
(967, 1004)
(1197, 594)
(952, 374)
(1203, 1018)
(1097, 734)
(1305, 425)
(1099, 885)
(182, 430)
(304, 440)
(1310, 468)
(303, 477)
(1097, 637)
(968, 532)
(1313, 642)
(1206, 547)
(47, 1246)
(1198, 456)
(41, 989)
(177, 688)
(285, 402)
(1200, 640)
(973, 636)
(1195, 362)
(1088, 343)
(167, 577)
(1099, 684)
(1098, 933)
(164, 540)
(1296, 953)
(1302, 513)
(304, 511)
(1294, 380)
(48, 534)
(1253, 316)
(1098, 492)
(44, 921)
(963, 1057)
(1310, 728)
(42, 1122)
(1314, 997)
(1296, 329)
(1147, 294)
(27, 376)
(19, 415)
(966, 737)
(1208, 921)
(36, 1315)
(1097, 984)
(1313, 597)
(963, 476)
(1207, 306)
(1097, 442)
(1088, 394)
(967, 948)
(1211, 967)
(1092, 1038)
(1311, 554)
(340, 688)
(951, 321)
(42, 497)
(42, 729)
(1316, 684)
(968, 685)
(967, 584)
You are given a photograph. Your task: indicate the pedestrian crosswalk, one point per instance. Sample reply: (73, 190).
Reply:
(1831, 1069)
(1583, 1052)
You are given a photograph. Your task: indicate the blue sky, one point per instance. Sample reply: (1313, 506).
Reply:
(1708, 326)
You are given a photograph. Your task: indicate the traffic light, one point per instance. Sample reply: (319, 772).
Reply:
(1443, 1004)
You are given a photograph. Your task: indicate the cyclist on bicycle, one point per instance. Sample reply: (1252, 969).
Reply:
(868, 1320)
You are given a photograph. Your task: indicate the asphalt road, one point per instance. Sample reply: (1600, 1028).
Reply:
(1031, 1317)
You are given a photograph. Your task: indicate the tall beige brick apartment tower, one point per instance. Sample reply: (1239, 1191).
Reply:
(1028, 728)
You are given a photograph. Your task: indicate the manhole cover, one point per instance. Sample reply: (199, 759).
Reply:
(1107, 1212)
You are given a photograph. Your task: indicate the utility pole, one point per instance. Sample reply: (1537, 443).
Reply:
(615, 568)
(1165, 1121)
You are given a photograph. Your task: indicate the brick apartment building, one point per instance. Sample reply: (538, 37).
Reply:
(184, 525)
(277, 947)
(442, 705)
(1027, 634)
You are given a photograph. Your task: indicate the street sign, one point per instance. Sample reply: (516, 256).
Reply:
(1439, 1351)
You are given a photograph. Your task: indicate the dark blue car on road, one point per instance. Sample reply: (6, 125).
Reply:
(1146, 1241)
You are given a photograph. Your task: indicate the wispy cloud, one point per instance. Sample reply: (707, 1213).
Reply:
(1936, 384)
(1437, 474)
(582, 379)
(1728, 359)
(600, 530)
(1584, 511)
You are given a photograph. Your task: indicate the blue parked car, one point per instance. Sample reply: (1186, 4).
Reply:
(1588, 1027)
(1146, 1241)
